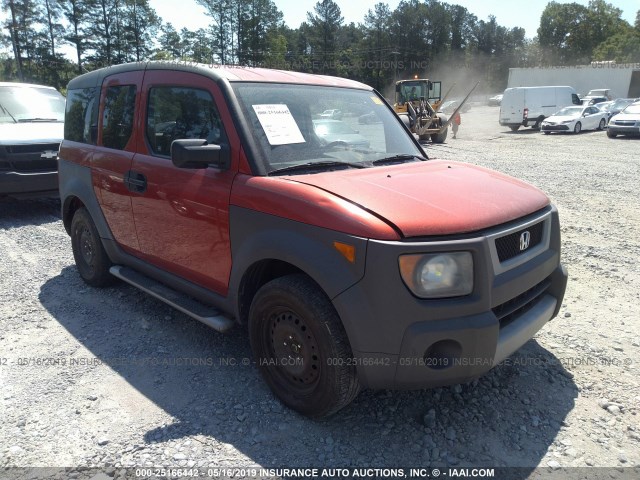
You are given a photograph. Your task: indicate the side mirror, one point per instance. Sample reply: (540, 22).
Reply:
(199, 154)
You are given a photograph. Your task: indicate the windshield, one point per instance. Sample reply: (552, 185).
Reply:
(620, 104)
(569, 112)
(632, 109)
(288, 127)
(30, 104)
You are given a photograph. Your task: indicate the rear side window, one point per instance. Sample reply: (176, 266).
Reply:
(178, 113)
(81, 116)
(117, 118)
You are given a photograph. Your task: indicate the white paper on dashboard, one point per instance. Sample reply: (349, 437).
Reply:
(278, 124)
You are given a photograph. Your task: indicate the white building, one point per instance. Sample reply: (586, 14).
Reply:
(622, 79)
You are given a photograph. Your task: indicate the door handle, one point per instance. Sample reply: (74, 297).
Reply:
(135, 181)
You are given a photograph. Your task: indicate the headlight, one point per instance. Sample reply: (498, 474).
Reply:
(438, 275)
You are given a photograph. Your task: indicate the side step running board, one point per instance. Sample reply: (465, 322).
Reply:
(208, 315)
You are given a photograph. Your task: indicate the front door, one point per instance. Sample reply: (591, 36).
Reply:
(182, 215)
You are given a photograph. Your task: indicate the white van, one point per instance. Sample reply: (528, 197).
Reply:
(528, 106)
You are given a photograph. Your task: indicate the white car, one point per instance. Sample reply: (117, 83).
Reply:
(575, 119)
(338, 132)
(627, 122)
(332, 114)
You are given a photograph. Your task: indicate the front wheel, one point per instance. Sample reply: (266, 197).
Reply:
(577, 128)
(301, 347)
(611, 134)
(602, 124)
(439, 137)
(92, 260)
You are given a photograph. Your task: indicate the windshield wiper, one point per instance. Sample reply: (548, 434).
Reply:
(401, 158)
(315, 166)
(34, 120)
(8, 113)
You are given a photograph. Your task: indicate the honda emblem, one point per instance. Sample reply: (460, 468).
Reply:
(525, 239)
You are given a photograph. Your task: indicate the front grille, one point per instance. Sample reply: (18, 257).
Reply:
(38, 148)
(555, 127)
(29, 158)
(509, 245)
(512, 309)
(625, 123)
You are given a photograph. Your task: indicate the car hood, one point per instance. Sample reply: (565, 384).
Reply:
(559, 118)
(25, 133)
(433, 197)
(627, 116)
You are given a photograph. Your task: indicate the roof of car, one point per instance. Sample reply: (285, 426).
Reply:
(230, 73)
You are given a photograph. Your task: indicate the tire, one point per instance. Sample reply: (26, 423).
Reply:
(291, 319)
(92, 260)
(577, 128)
(536, 125)
(439, 137)
(546, 133)
(602, 124)
(611, 134)
(514, 128)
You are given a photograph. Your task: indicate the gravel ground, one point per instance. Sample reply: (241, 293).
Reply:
(112, 378)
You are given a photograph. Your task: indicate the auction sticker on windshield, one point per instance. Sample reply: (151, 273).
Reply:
(278, 124)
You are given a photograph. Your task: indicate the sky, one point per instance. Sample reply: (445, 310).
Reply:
(525, 13)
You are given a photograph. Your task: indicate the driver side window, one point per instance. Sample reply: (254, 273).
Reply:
(180, 113)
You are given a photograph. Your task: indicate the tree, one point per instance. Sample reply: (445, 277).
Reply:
(623, 47)
(54, 27)
(220, 15)
(24, 22)
(461, 24)
(259, 21)
(103, 31)
(275, 55)
(561, 32)
(139, 26)
(569, 33)
(13, 25)
(77, 14)
(171, 45)
(323, 32)
(376, 46)
(240, 28)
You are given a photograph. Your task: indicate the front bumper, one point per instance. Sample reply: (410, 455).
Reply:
(401, 341)
(623, 129)
(554, 128)
(29, 184)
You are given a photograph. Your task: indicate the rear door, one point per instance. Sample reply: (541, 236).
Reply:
(182, 215)
(116, 146)
(512, 105)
